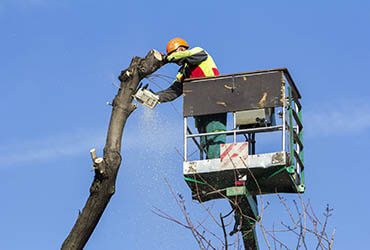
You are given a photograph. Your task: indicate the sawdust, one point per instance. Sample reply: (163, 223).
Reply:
(158, 137)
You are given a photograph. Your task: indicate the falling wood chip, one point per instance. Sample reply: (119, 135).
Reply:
(222, 103)
(228, 87)
(262, 102)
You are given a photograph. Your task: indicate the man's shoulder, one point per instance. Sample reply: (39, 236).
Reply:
(197, 49)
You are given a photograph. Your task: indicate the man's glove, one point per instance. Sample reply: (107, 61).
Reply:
(165, 59)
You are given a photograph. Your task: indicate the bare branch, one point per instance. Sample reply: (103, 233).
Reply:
(164, 215)
(224, 231)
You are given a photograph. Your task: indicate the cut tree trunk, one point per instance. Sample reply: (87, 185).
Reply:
(103, 186)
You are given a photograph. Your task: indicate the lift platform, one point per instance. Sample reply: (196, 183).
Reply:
(260, 102)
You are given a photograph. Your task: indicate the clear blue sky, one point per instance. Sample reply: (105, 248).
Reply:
(59, 58)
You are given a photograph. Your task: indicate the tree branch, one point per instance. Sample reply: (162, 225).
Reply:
(103, 186)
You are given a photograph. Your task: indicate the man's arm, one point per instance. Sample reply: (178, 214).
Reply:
(191, 56)
(173, 91)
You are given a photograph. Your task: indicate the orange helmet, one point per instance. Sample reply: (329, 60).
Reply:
(174, 43)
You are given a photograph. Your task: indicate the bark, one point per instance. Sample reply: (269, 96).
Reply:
(103, 186)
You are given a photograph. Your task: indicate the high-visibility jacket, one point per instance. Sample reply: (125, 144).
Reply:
(194, 63)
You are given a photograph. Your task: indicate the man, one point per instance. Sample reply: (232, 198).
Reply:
(195, 62)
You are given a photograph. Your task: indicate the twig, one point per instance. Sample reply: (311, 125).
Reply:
(198, 236)
(277, 240)
(224, 231)
(162, 214)
(265, 236)
(273, 234)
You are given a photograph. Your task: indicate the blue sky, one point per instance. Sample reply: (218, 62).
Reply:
(59, 60)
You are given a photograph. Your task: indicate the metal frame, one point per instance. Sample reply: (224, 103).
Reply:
(277, 171)
(290, 126)
(239, 131)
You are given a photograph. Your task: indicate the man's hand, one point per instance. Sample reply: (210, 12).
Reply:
(164, 58)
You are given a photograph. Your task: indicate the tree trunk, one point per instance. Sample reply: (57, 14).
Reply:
(103, 186)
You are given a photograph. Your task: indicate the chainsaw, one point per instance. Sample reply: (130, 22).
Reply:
(146, 97)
